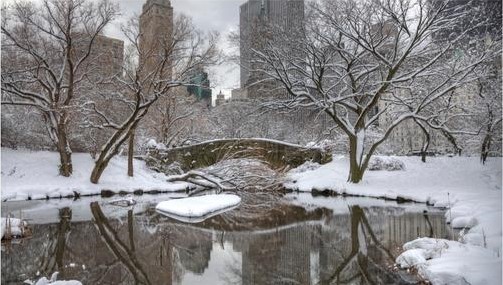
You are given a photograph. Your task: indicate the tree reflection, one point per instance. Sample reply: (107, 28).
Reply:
(126, 255)
(361, 237)
(53, 261)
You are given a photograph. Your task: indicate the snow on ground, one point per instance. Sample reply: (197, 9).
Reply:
(471, 189)
(52, 281)
(27, 174)
(198, 207)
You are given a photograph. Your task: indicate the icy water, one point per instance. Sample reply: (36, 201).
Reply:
(299, 239)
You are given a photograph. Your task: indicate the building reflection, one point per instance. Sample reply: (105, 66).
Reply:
(317, 247)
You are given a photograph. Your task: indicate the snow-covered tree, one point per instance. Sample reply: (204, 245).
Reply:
(354, 54)
(489, 113)
(46, 51)
(170, 64)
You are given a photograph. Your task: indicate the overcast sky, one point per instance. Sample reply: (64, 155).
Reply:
(207, 15)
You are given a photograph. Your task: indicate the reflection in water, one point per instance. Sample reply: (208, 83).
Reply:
(363, 239)
(53, 260)
(286, 245)
(124, 253)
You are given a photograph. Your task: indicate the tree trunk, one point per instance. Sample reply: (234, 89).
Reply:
(111, 148)
(356, 165)
(65, 153)
(130, 153)
(57, 247)
(452, 140)
(98, 169)
(426, 143)
(355, 173)
(486, 144)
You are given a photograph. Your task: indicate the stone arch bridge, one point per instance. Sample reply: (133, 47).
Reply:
(276, 154)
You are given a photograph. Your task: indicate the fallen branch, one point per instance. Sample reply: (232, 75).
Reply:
(201, 179)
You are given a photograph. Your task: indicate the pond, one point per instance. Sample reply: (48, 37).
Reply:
(298, 239)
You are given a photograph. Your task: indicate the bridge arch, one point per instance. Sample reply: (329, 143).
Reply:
(277, 154)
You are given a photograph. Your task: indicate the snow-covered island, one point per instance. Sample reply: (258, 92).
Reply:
(197, 209)
(470, 192)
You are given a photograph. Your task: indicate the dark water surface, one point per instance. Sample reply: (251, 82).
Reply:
(299, 239)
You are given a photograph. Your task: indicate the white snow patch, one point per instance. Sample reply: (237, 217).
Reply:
(27, 174)
(198, 207)
(52, 281)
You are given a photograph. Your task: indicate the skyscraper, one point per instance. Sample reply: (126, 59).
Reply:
(156, 33)
(257, 18)
(107, 56)
(201, 86)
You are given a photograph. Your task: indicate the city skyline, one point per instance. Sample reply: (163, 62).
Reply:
(213, 15)
(207, 15)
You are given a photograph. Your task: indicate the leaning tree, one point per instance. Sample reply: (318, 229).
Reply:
(161, 67)
(372, 62)
(46, 51)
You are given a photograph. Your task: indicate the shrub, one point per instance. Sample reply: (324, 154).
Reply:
(386, 163)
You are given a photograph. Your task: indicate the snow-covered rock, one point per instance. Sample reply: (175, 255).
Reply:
(152, 144)
(451, 262)
(420, 250)
(198, 207)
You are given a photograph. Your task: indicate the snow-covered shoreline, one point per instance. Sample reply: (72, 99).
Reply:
(472, 190)
(34, 175)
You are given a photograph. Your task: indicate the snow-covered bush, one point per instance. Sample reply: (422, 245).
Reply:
(386, 163)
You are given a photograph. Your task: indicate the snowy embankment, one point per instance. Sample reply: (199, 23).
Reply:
(34, 175)
(472, 190)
